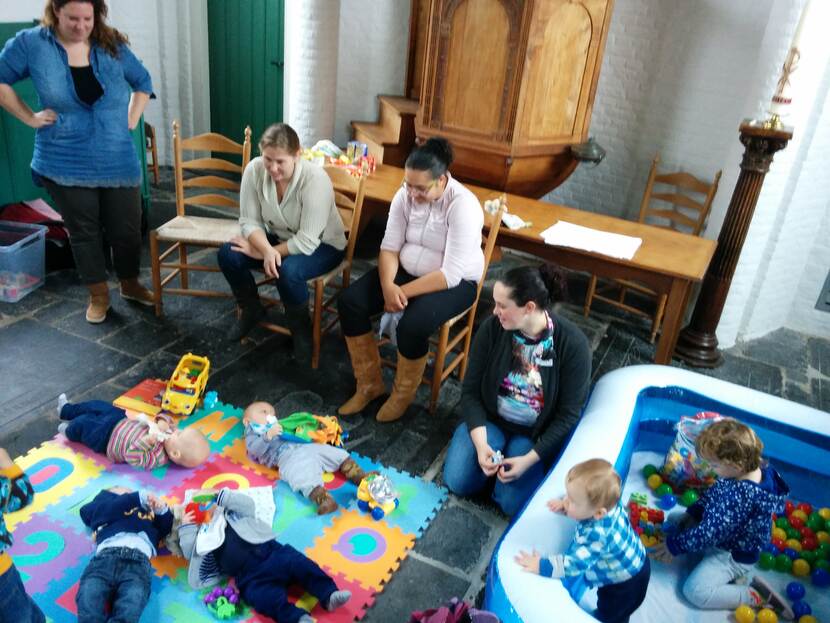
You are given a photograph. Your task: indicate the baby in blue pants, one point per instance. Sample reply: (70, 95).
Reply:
(237, 544)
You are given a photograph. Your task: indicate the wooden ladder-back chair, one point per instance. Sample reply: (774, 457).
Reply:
(684, 213)
(186, 230)
(348, 196)
(459, 344)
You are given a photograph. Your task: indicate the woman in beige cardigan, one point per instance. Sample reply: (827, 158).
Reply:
(290, 229)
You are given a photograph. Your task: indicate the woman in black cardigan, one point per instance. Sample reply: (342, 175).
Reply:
(527, 380)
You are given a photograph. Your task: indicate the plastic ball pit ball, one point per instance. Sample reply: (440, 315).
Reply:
(801, 568)
(796, 591)
(664, 489)
(791, 553)
(800, 608)
(783, 563)
(767, 616)
(649, 470)
(782, 522)
(766, 561)
(744, 614)
(667, 502)
(654, 481)
(825, 513)
(821, 578)
(689, 497)
(822, 564)
(807, 618)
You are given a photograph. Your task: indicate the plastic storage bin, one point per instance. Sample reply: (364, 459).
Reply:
(22, 249)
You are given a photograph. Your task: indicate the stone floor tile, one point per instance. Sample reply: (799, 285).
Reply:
(456, 537)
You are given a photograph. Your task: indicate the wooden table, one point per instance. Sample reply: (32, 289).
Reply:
(667, 261)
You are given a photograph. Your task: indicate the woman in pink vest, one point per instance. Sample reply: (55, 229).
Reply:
(429, 265)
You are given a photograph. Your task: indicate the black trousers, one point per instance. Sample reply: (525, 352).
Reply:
(421, 318)
(617, 602)
(91, 213)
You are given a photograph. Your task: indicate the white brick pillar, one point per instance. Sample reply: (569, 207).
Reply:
(311, 48)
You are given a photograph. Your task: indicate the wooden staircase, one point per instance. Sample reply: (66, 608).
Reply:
(392, 138)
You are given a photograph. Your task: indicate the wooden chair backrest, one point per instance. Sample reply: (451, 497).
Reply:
(490, 240)
(348, 197)
(686, 214)
(210, 142)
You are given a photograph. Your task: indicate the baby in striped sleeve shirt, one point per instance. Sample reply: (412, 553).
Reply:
(605, 549)
(143, 442)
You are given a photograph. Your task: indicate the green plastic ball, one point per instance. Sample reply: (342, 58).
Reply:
(822, 564)
(648, 470)
(689, 497)
(807, 555)
(782, 522)
(783, 563)
(823, 551)
(664, 489)
(815, 522)
(767, 561)
(793, 533)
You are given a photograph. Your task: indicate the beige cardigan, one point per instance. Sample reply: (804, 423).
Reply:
(307, 215)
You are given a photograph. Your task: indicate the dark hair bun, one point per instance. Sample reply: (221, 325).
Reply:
(440, 148)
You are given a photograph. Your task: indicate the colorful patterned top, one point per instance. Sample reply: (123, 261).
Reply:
(15, 493)
(127, 444)
(520, 398)
(606, 551)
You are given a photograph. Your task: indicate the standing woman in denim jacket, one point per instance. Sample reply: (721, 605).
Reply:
(92, 91)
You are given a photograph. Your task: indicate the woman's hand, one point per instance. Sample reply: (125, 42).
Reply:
(485, 460)
(45, 117)
(512, 468)
(243, 245)
(270, 261)
(394, 300)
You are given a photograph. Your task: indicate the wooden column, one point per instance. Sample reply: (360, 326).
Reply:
(697, 344)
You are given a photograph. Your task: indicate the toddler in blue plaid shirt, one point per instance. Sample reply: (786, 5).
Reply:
(605, 548)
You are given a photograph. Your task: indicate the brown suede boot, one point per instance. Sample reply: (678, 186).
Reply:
(99, 302)
(353, 472)
(132, 290)
(407, 379)
(363, 350)
(322, 498)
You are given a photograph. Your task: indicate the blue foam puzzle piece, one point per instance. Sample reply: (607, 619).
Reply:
(296, 521)
(419, 500)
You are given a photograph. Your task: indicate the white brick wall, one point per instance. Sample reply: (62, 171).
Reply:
(374, 39)
(311, 42)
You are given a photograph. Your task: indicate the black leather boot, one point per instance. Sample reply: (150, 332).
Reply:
(298, 322)
(252, 312)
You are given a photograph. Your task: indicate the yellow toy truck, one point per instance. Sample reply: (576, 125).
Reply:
(376, 496)
(186, 386)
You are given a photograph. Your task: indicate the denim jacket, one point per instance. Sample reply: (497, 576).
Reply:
(88, 145)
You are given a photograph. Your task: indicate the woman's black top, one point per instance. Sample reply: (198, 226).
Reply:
(86, 84)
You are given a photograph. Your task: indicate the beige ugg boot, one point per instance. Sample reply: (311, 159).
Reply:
(99, 302)
(407, 379)
(353, 472)
(322, 498)
(363, 350)
(132, 290)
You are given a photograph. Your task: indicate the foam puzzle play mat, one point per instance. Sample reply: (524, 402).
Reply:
(360, 552)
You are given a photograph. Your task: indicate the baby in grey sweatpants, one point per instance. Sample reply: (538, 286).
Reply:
(301, 465)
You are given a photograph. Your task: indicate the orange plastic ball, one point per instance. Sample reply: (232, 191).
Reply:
(654, 481)
(767, 616)
(744, 614)
(801, 567)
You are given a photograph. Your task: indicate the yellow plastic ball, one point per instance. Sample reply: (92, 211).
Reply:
(767, 616)
(825, 513)
(778, 533)
(799, 513)
(801, 567)
(654, 481)
(794, 543)
(822, 536)
(744, 614)
(807, 618)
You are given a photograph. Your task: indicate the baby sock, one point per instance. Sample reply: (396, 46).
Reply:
(337, 599)
(306, 618)
(61, 401)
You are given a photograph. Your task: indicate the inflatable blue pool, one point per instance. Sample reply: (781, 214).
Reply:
(631, 414)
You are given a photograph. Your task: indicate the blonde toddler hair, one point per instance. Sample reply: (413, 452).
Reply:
(600, 481)
(732, 442)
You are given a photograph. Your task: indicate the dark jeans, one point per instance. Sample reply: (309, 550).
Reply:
(293, 274)
(15, 604)
(117, 575)
(91, 423)
(617, 602)
(423, 315)
(265, 580)
(463, 475)
(91, 212)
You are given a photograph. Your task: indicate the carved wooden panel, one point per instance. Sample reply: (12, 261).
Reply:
(418, 34)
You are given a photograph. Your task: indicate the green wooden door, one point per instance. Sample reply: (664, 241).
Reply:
(17, 142)
(246, 65)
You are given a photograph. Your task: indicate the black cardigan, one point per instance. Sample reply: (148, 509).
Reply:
(564, 384)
